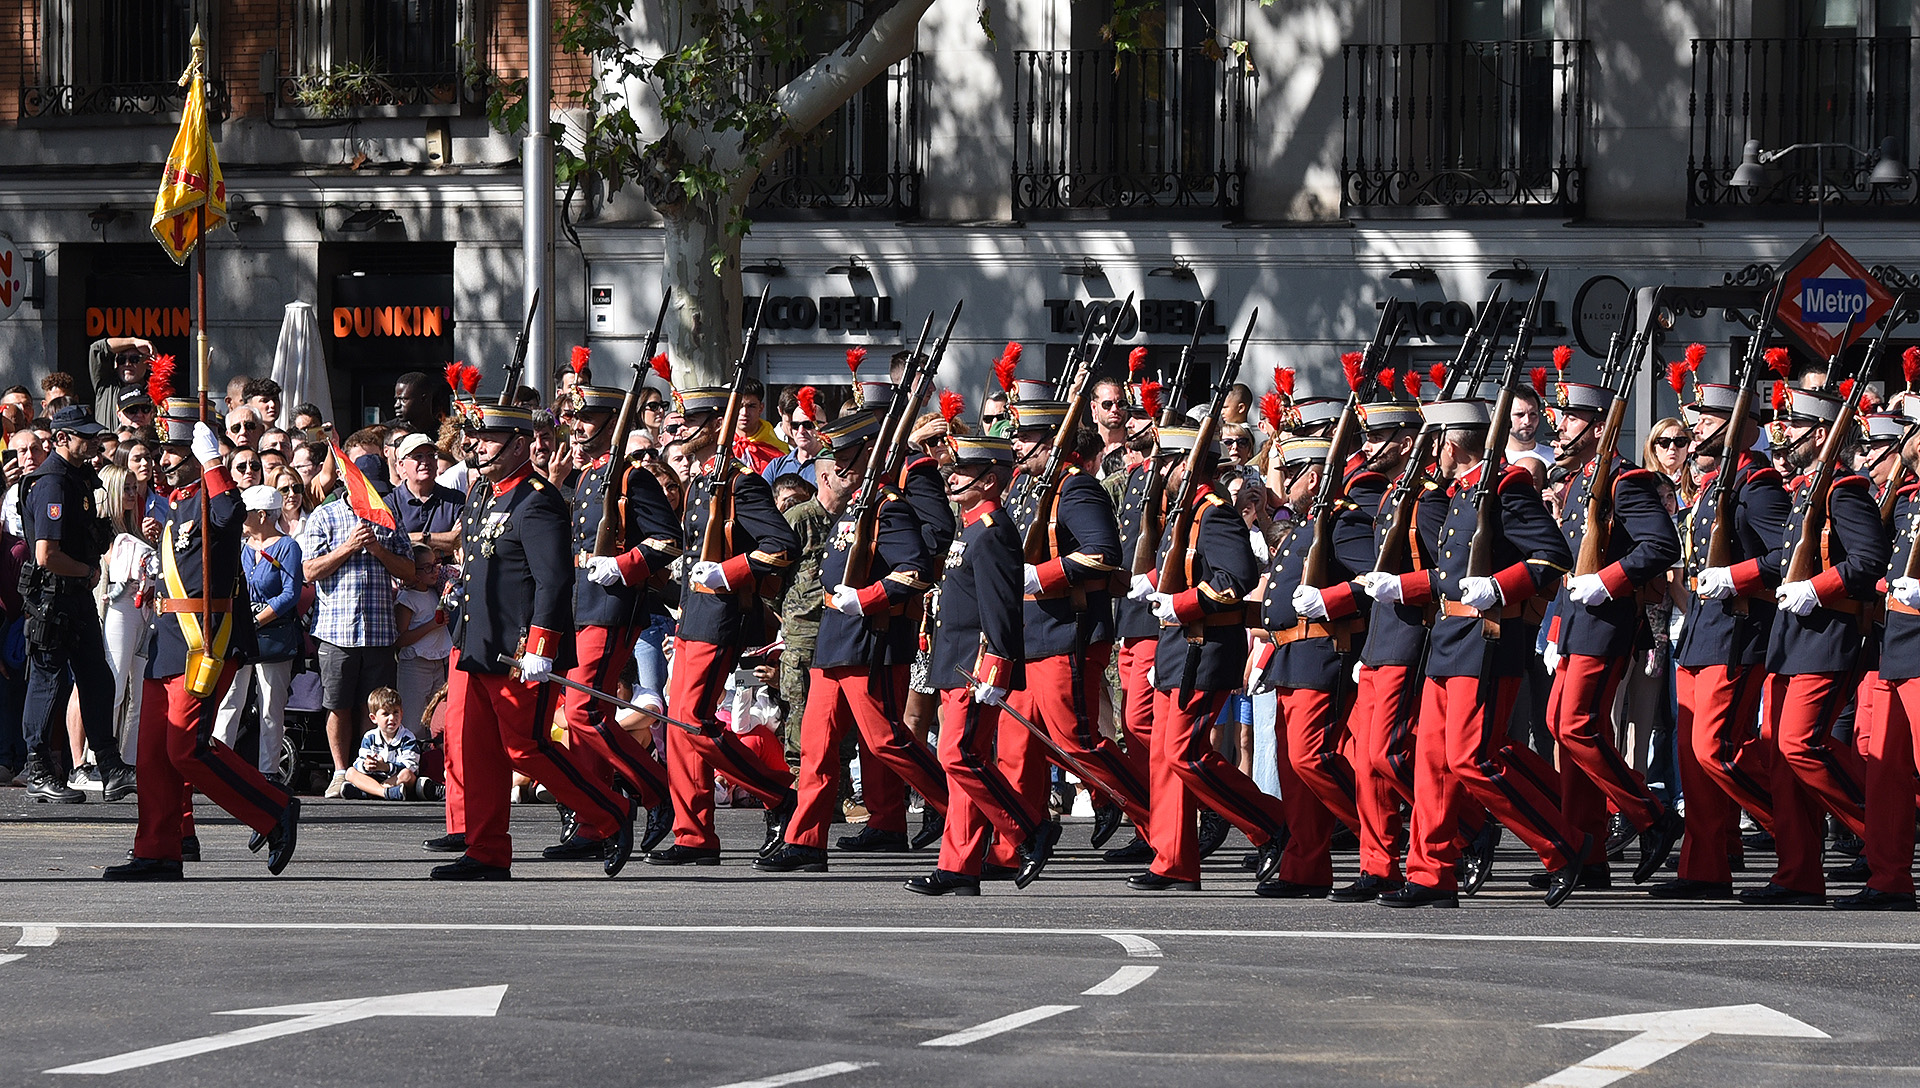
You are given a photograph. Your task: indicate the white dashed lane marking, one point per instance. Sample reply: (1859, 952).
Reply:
(1135, 944)
(1126, 978)
(800, 1076)
(6, 959)
(38, 936)
(1000, 1025)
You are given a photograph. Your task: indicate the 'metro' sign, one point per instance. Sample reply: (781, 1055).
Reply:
(1826, 287)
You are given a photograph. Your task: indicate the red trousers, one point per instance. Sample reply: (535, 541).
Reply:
(980, 799)
(871, 701)
(603, 652)
(1063, 696)
(1187, 771)
(1892, 710)
(1725, 765)
(497, 725)
(1316, 781)
(1813, 773)
(1592, 772)
(177, 755)
(1385, 703)
(694, 685)
(1476, 763)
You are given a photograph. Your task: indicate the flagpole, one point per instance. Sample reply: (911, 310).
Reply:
(200, 337)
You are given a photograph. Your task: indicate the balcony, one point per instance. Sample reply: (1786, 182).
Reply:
(370, 58)
(1786, 91)
(111, 61)
(1148, 132)
(863, 162)
(1452, 128)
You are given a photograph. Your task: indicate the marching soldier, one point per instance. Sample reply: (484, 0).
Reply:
(980, 632)
(199, 641)
(516, 604)
(67, 534)
(1814, 654)
(1596, 628)
(1725, 766)
(1136, 637)
(1472, 680)
(612, 604)
(1201, 658)
(865, 648)
(723, 609)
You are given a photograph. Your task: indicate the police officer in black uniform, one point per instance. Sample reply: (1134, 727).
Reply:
(67, 535)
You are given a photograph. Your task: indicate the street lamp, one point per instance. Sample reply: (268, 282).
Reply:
(1752, 172)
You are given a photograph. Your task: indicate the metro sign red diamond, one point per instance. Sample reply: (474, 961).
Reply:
(1825, 286)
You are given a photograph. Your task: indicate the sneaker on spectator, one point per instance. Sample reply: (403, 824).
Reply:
(856, 813)
(7, 775)
(431, 790)
(722, 796)
(337, 788)
(541, 794)
(85, 777)
(744, 799)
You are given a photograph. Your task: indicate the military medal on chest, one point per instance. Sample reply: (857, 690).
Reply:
(490, 531)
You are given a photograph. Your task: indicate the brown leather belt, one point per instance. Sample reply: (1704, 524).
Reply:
(196, 604)
(1532, 610)
(1903, 609)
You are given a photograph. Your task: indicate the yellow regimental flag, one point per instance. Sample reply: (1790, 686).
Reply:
(191, 166)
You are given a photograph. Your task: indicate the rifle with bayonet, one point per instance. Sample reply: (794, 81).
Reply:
(1721, 498)
(882, 467)
(610, 538)
(1486, 492)
(520, 351)
(714, 538)
(1153, 512)
(1624, 359)
(1316, 570)
(1047, 485)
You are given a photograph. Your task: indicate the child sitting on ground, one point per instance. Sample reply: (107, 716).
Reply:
(388, 767)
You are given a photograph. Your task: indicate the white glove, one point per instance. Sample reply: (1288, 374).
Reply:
(845, 599)
(1142, 586)
(1906, 591)
(1163, 607)
(206, 444)
(1551, 656)
(1381, 586)
(1309, 603)
(604, 570)
(986, 693)
(1589, 590)
(1032, 575)
(1797, 597)
(1480, 593)
(708, 573)
(1714, 584)
(534, 669)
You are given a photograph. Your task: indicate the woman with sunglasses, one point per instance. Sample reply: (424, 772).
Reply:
(1668, 445)
(128, 575)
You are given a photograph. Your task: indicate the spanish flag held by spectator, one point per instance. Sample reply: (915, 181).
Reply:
(192, 179)
(366, 502)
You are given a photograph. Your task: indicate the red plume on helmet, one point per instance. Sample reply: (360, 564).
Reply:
(160, 380)
(453, 375)
(1777, 362)
(1150, 399)
(1562, 355)
(581, 353)
(1004, 366)
(951, 405)
(1413, 384)
(1270, 409)
(1437, 374)
(1350, 362)
(1846, 388)
(663, 366)
(1538, 376)
(1283, 380)
(1388, 379)
(1136, 359)
(1677, 376)
(1696, 354)
(1910, 364)
(855, 356)
(809, 399)
(1779, 395)
(470, 378)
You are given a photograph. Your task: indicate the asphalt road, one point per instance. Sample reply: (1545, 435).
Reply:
(699, 978)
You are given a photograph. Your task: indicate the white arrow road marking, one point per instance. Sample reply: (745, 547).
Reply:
(37, 937)
(4, 960)
(474, 1001)
(799, 1076)
(1126, 978)
(1664, 1033)
(1135, 944)
(1000, 1026)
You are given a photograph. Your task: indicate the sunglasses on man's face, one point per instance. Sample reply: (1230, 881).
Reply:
(139, 410)
(242, 428)
(1107, 405)
(802, 425)
(989, 420)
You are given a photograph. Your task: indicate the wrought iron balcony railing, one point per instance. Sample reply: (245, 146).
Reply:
(110, 60)
(352, 57)
(155, 98)
(1150, 131)
(1447, 126)
(1786, 91)
(865, 160)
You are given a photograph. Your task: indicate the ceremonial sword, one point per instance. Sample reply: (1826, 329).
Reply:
(1039, 734)
(509, 659)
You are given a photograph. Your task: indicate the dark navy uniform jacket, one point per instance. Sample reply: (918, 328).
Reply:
(1221, 572)
(1083, 544)
(926, 492)
(1644, 545)
(761, 548)
(1397, 634)
(1529, 557)
(60, 507)
(883, 634)
(516, 581)
(227, 516)
(1900, 645)
(1715, 632)
(1313, 663)
(1851, 561)
(1134, 619)
(979, 623)
(648, 516)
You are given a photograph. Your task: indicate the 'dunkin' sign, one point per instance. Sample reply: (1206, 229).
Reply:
(1825, 289)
